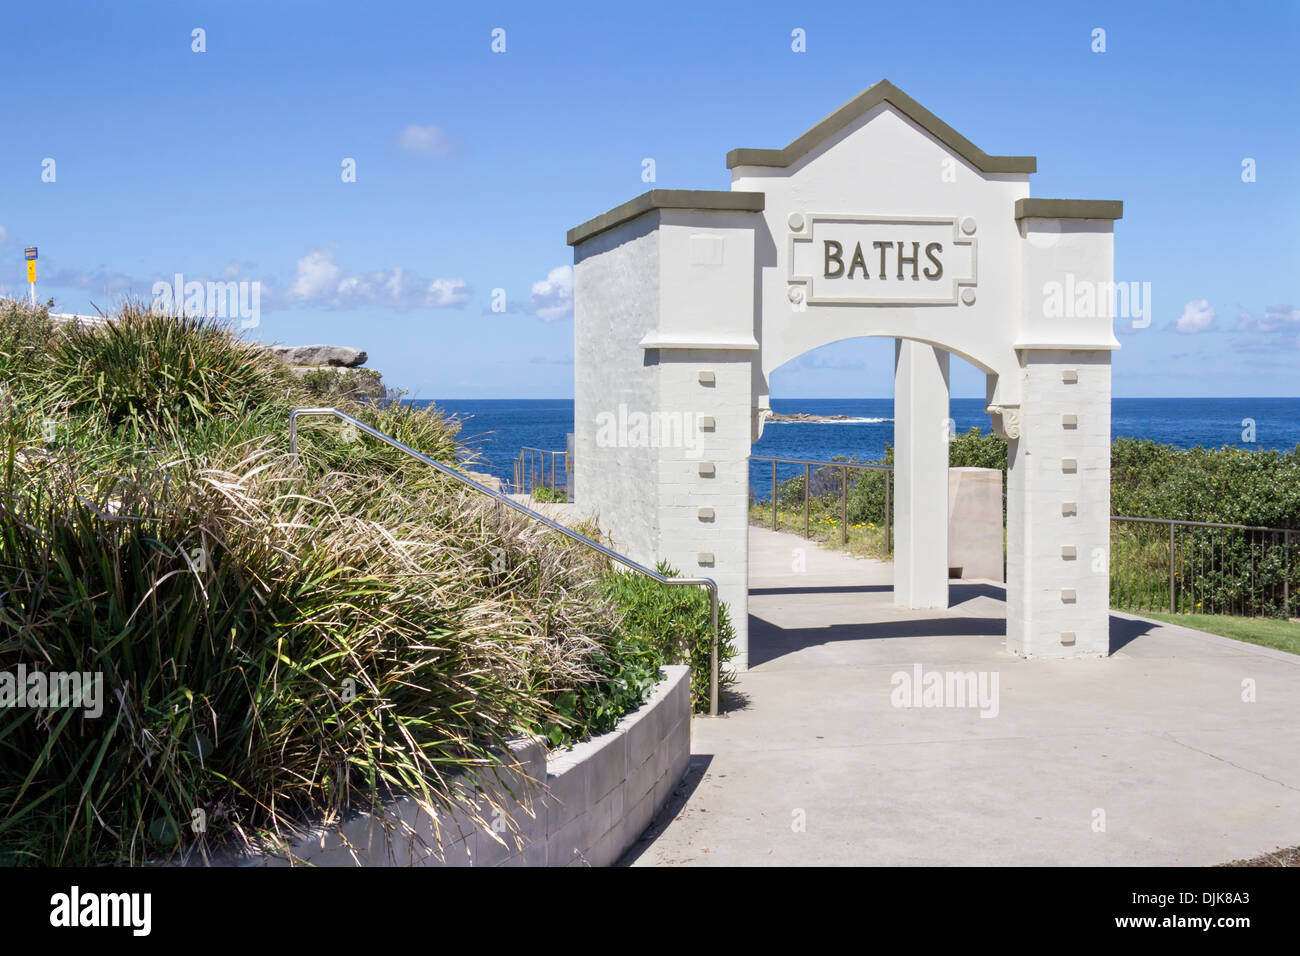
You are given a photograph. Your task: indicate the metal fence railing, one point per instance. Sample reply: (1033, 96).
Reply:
(530, 470)
(871, 493)
(1155, 564)
(1203, 567)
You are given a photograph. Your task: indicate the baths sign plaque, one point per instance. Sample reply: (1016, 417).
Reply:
(881, 260)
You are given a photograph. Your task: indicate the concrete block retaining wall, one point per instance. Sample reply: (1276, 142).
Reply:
(599, 798)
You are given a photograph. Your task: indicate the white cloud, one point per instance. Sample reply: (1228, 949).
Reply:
(426, 141)
(4, 234)
(1276, 318)
(553, 296)
(317, 276)
(320, 281)
(446, 292)
(1198, 316)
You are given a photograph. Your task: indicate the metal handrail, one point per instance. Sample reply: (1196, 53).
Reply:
(1204, 524)
(553, 525)
(844, 492)
(834, 464)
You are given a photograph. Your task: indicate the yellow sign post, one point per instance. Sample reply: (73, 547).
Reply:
(29, 254)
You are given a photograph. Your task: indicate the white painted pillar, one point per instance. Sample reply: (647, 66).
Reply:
(702, 486)
(921, 430)
(1058, 506)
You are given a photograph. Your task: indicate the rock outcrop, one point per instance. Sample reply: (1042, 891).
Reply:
(337, 356)
(333, 371)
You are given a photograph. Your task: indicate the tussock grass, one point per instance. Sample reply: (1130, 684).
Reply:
(282, 641)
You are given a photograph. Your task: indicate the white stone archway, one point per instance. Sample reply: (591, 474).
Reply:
(881, 220)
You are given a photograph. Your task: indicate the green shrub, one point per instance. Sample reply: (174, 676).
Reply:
(976, 449)
(674, 622)
(330, 386)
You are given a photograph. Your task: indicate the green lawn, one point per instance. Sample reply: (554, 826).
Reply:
(1265, 631)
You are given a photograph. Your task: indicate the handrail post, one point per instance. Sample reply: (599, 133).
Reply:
(806, 478)
(1171, 568)
(1286, 573)
(889, 514)
(713, 653)
(773, 494)
(844, 505)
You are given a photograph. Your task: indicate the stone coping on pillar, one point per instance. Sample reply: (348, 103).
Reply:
(868, 99)
(704, 200)
(1030, 208)
(1103, 345)
(653, 341)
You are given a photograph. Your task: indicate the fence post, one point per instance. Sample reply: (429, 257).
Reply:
(1286, 573)
(806, 478)
(773, 494)
(844, 505)
(1172, 604)
(889, 514)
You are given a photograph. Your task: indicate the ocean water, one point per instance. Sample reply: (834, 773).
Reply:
(497, 428)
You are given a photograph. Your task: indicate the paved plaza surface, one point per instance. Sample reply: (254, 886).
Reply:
(1148, 757)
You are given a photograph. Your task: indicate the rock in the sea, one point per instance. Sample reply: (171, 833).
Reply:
(805, 417)
(340, 356)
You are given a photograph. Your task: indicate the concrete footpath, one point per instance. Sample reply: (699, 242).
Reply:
(1150, 756)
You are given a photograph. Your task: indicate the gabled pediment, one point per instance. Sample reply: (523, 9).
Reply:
(860, 105)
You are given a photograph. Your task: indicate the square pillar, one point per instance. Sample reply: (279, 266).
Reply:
(921, 431)
(1058, 506)
(701, 481)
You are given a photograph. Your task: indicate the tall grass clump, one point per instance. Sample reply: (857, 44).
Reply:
(282, 640)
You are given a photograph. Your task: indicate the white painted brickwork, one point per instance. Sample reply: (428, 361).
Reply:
(1041, 569)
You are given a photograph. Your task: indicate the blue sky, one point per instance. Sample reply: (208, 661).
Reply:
(471, 165)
